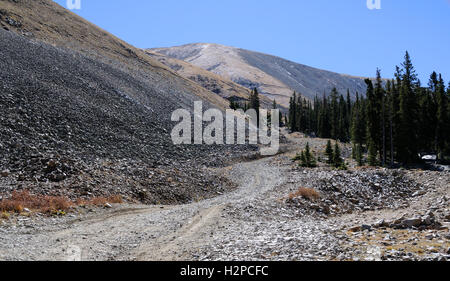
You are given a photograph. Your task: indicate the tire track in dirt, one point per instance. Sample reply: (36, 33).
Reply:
(144, 232)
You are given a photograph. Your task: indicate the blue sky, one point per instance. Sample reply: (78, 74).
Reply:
(341, 36)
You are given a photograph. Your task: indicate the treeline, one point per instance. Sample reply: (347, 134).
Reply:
(396, 120)
(254, 103)
(326, 118)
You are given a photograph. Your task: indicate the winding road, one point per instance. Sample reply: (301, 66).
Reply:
(142, 232)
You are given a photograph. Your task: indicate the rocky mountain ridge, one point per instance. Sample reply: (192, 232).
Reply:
(275, 77)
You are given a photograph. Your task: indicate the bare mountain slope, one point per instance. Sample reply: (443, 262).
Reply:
(80, 119)
(274, 76)
(209, 80)
(47, 21)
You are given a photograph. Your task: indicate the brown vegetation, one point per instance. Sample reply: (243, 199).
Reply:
(19, 201)
(307, 193)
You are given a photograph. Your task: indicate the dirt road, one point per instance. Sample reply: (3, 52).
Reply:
(138, 233)
(251, 223)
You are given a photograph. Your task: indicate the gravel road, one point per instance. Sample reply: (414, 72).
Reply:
(253, 222)
(134, 232)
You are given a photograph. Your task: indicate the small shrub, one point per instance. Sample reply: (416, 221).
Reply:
(307, 193)
(306, 158)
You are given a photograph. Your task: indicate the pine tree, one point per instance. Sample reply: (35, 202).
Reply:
(254, 100)
(299, 114)
(372, 154)
(407, 150)
(329, 153)
(349, 103)
(232, 105)
(324, 125)
(442, 128)
(307, 160)
(303, 160)
(337, 160)
(358, 126)
(358, 154)
(246, 106)
(343, 123)
(427, 117)
(395, 115)
(292, 113)
(255, 104)
(373, 128)
(316, 114)
(334, 112)
(391, 112)
(383, 153)
(376, 116)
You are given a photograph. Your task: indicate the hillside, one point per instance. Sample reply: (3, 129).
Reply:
(275, 77)
(89, 171)
(85, 114)
(47, 21)
(224, 87)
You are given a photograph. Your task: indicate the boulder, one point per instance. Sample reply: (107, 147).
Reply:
(366, 227)
(355, 229)
(411, 222)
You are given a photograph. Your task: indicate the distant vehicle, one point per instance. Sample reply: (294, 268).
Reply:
(430, 157)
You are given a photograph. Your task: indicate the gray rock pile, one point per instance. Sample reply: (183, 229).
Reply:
(64, 115)
(421, 223)
(349, 191)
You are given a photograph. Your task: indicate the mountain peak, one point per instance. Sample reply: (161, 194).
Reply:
(275, 77)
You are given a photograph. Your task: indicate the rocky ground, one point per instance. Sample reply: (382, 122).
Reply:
(71, 125)
(410, 223)
(362, 214)
(85, 115)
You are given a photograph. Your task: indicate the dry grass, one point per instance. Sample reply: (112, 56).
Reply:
(307, 193)
(49, 204)
(100, 201)
(4, 215)
(46, 204)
